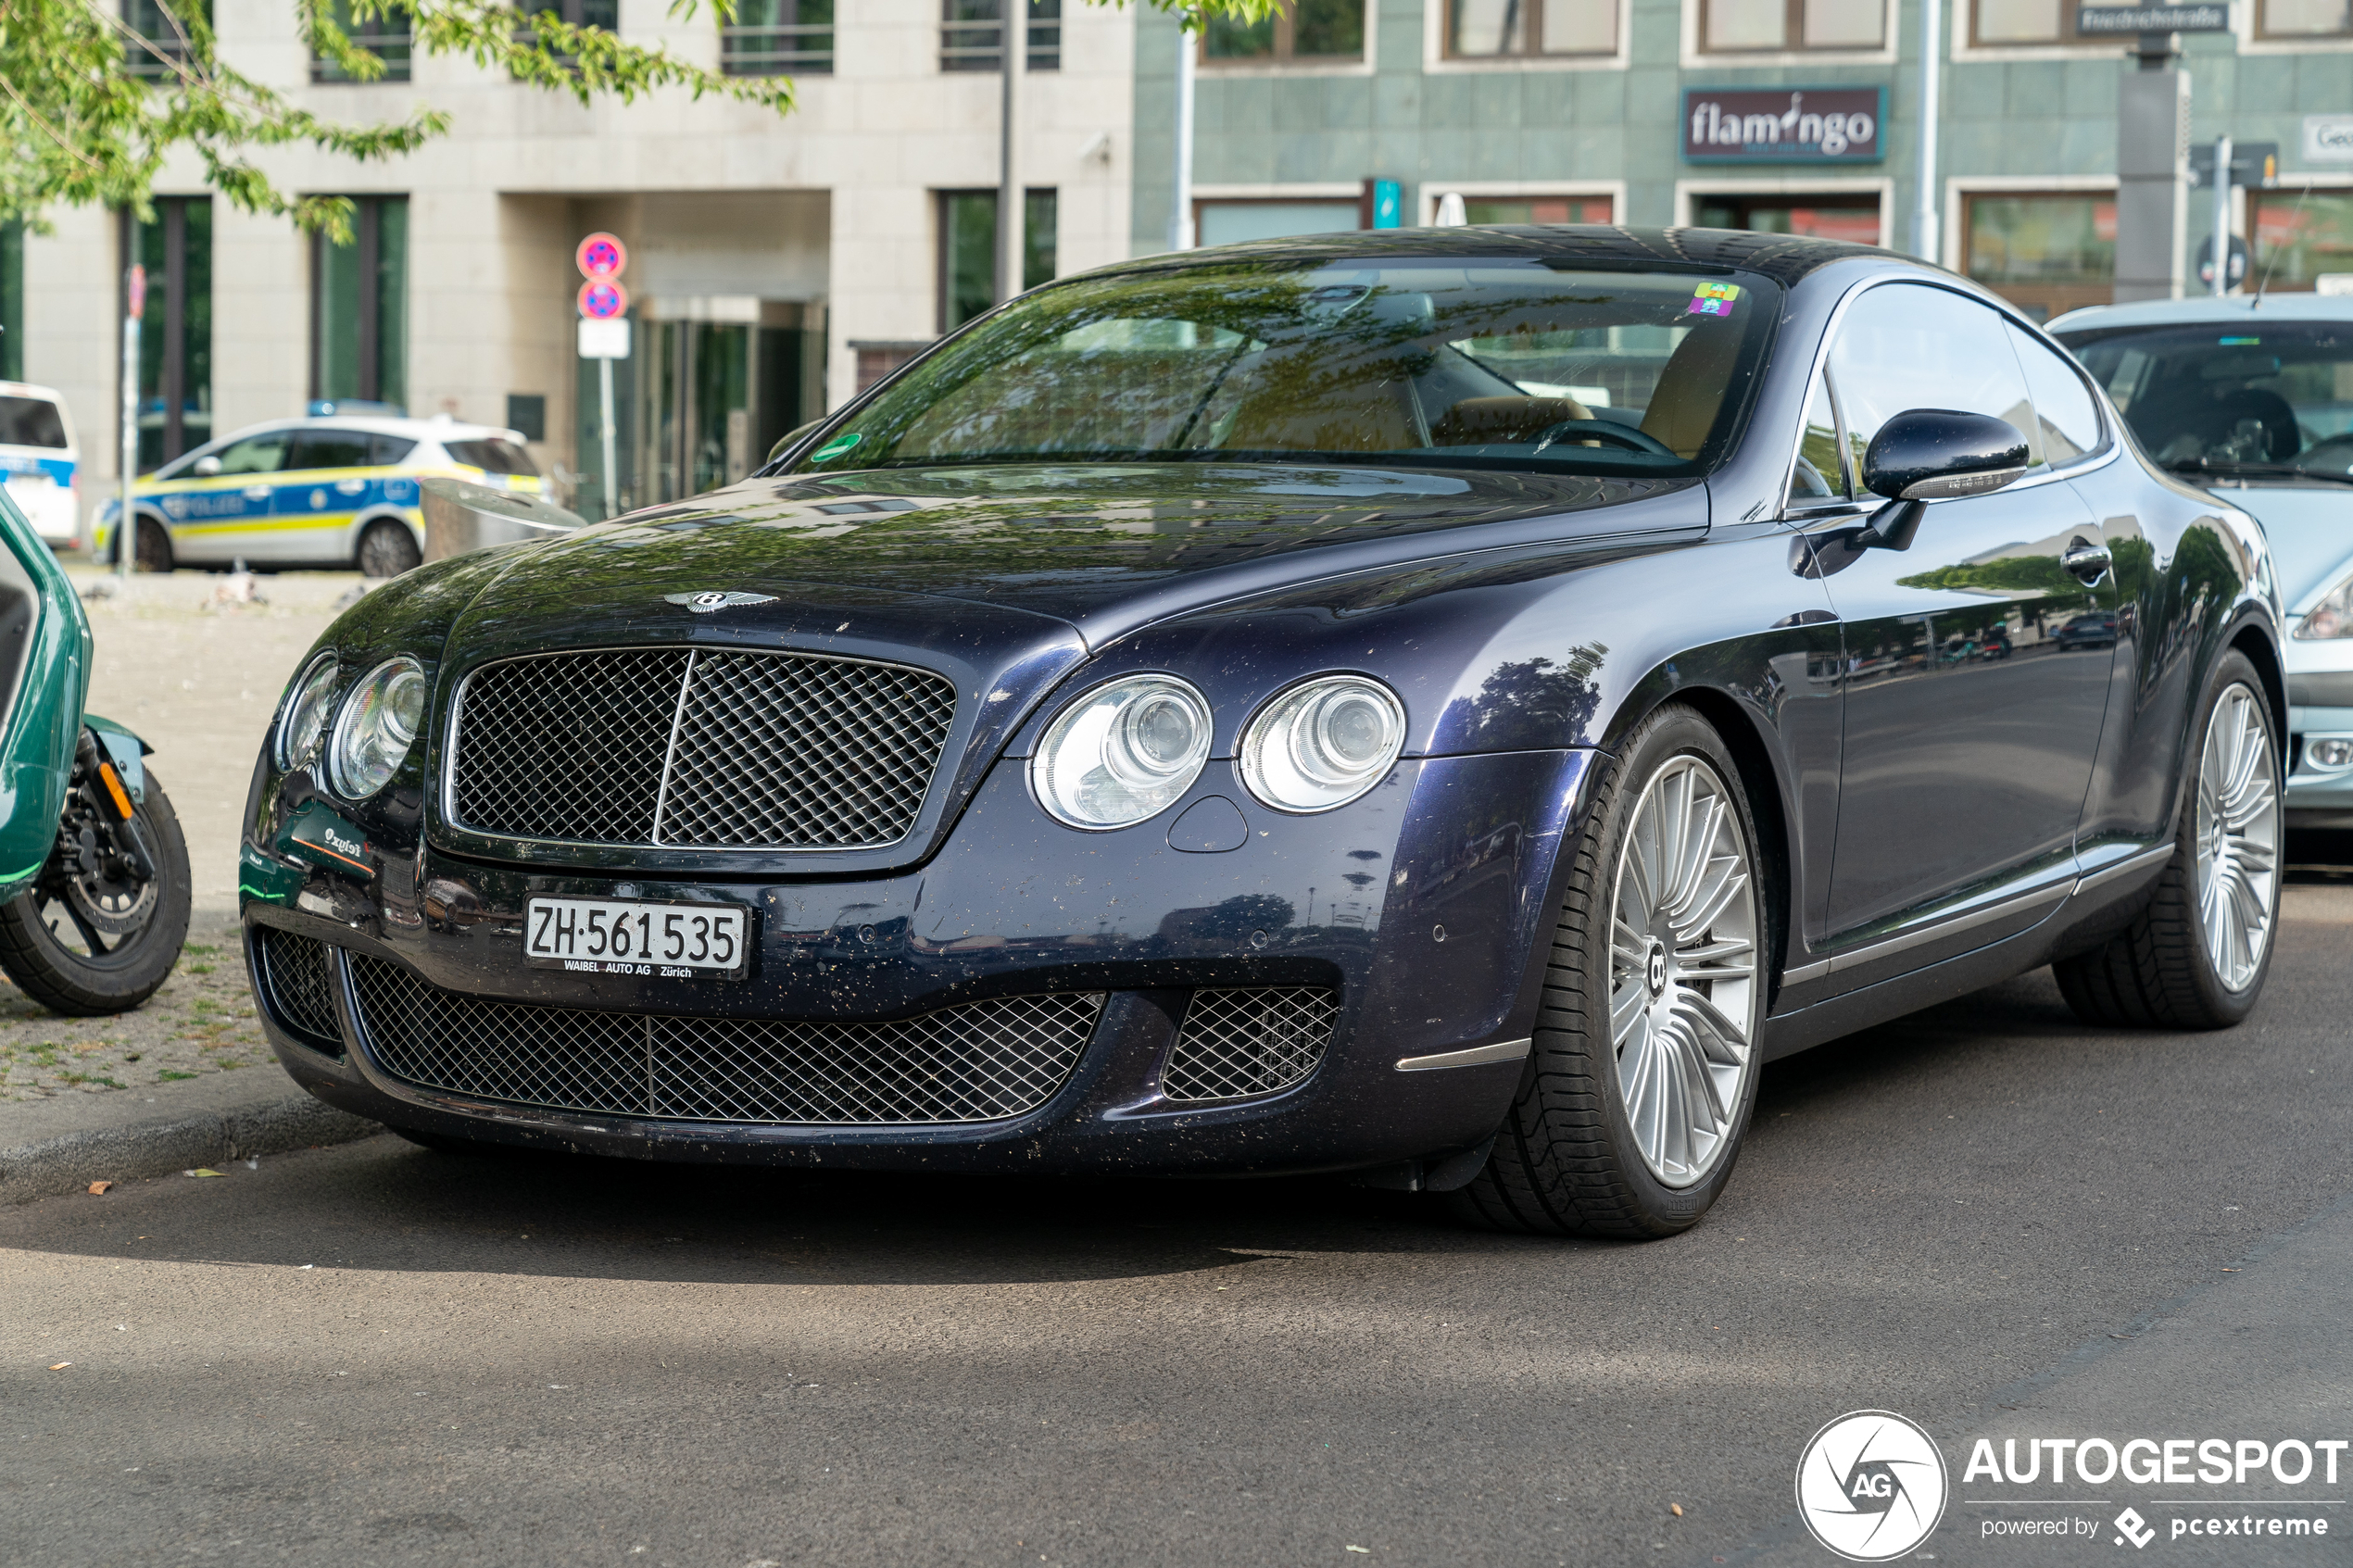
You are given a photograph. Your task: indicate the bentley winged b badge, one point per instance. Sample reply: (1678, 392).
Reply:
(704, 603)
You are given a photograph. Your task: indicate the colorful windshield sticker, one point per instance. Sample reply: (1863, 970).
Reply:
(1713, 299)
(2240, 342)
(836, 447)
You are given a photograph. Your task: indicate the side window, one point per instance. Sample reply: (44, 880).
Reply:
(1912, 345)
(2063, 405)
(385, 451)
(330, 449)
(1821, 473)
(258, 454)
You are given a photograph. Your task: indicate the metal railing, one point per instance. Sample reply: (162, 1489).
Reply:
(800, 49)
(978, 45)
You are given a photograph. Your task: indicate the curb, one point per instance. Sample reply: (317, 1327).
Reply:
(162, 1143)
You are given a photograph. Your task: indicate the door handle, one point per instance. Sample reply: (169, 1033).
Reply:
(2087, 560)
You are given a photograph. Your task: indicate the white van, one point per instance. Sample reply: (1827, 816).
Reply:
(40, 461)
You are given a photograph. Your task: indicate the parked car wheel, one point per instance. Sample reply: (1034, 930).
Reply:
(93, 936)
(387, 549)
(153, 552)
(1643, 1070)
(2197, 957)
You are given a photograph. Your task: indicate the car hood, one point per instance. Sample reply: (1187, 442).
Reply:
(1003, 580)
(1102, 548)
(2311, 529)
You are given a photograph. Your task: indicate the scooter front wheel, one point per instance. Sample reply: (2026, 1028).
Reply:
(92, 936)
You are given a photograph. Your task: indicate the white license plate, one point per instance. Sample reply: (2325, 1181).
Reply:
(638, 937)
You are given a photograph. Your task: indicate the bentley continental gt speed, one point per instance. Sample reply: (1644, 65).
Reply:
(1444, 705)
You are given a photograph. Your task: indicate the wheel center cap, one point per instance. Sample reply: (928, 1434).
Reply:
(1655, 968)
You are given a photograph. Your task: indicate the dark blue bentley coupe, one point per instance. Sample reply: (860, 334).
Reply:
(1448, 704)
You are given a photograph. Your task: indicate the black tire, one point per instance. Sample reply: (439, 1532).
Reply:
(70, 966)
(387, 549)
(1567, 1161)
(2158, 971)
(153, 552)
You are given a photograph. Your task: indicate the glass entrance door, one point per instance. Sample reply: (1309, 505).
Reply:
(700, 403)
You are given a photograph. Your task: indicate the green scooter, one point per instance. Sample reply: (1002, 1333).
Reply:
(94, 871)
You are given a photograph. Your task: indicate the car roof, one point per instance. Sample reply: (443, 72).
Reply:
(27, 389)
(1782, 258)
(2295, 306)
(414, 430)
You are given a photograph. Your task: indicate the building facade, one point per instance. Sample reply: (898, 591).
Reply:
(773, 262)
(1582, 111)
(778, 265)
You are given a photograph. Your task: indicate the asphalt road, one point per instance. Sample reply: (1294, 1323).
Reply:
(1984, 1217)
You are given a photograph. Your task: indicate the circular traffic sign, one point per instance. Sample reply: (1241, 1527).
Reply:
(601, 256)
(601, 299)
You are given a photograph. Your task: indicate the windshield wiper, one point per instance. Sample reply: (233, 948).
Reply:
(2225, 467)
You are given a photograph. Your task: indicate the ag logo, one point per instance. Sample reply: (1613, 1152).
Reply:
(1871, 1486)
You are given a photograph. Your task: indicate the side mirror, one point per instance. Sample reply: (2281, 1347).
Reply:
(1932, 453)
(205, 467)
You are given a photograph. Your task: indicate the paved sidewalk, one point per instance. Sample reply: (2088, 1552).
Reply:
(186, 1080)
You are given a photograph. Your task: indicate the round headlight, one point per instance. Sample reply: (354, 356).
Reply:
(1323, 744)
(1122, 752)
(305, 716)
(380, 722)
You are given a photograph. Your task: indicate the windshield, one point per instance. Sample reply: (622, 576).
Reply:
(2266, 399)
(1504, 364)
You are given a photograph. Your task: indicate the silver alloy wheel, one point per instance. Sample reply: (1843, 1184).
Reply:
(2238, 836)
(1682, 970)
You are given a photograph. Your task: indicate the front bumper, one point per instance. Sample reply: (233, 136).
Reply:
(1414, 910)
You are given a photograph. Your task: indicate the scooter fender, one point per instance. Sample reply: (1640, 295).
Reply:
(124, 749)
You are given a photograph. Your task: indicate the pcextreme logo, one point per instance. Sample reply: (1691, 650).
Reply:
(1871, 1486)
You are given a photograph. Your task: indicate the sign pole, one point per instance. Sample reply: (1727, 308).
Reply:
(126, 527)
(1925, 242)
(613, 469)
(1180, 200)
(1012, 60)
(2222, 217)
(604, 335)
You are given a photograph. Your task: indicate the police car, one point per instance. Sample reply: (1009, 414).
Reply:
(38, 461)
(336, 490)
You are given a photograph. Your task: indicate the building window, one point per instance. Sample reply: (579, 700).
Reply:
(2047, 255)
(2303, 19)
(778, 38)
(968, 251)
(970, 36)
(1481, 30)
(1536, 209)
(386, 37)
(359, 307)
(159, 42)
(1743, 26)
(1231, 222)
(12, 299)
(2301, 238)
(1313, 31)
(605, 14)
(175, 330)
(1852, 216)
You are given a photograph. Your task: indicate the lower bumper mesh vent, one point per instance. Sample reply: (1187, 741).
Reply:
(301, 991)
(980, 1062)
(1235, 1044)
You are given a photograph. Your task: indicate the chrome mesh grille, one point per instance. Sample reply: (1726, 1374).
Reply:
(978, 1061)
(301, 989)
(698, 750)
(1237, 1044)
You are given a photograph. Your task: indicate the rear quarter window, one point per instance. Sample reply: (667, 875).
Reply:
(30, 421)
